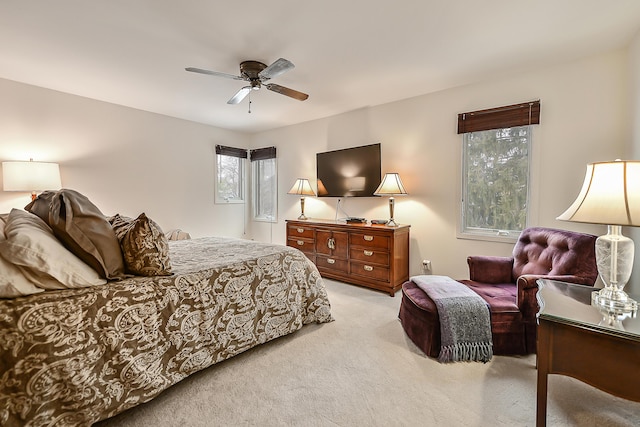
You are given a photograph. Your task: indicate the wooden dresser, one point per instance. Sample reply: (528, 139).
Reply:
(375, 256)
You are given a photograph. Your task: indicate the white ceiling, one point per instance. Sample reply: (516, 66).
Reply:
(349, 54)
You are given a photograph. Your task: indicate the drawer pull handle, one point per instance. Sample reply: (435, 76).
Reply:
(368, 238)
(368, 253)
(300, 243)
(331, 243)
(331, 261)
(368, 268)
(300, 230)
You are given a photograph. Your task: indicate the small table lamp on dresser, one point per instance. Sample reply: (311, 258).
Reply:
(30, 177)
(391, 185)
(610, 195)
(302, 188)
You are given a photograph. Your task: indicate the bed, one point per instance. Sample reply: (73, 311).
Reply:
(77, 356)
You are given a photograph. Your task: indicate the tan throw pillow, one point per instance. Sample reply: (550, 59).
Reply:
(12, 282)
(41, 206)
(144, 246)
(31, 245)
(85, 231)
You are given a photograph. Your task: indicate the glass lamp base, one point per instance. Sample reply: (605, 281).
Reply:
(615, 318)
(614, 258)
(613, 300)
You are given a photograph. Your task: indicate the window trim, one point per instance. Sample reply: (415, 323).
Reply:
(517, 115)
(241, 154)
(258, 155)
(255, 191)
(483, 233)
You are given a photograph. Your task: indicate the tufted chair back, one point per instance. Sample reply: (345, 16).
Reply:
(551, 252)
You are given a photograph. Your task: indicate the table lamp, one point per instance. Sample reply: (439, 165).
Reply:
(610, 195)
(302, 188)
(391, 185)
(30, 177)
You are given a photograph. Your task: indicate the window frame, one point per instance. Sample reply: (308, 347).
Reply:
(510, 116)
(258, 158)
(489, 234)
(232, 153)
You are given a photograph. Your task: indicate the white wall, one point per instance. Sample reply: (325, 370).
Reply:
(125, 160)
(583, 119)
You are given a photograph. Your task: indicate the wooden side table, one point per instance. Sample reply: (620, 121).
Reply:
(578, 340)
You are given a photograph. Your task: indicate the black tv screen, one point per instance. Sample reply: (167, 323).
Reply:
(351, 172)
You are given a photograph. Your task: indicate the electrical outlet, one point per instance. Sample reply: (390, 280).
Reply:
(426, 264)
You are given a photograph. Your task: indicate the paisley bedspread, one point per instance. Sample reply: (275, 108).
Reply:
(74, 357)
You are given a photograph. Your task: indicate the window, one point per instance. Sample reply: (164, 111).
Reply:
(265, 184)
(230, 174)
(495, 182)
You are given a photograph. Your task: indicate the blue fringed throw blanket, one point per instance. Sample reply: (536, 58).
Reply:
(465, 323)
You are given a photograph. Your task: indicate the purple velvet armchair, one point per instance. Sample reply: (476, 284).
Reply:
(508, 285)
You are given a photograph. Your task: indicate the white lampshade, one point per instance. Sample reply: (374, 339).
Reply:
(391, 185)
(302, 188)
(30, 176)
(610, 195)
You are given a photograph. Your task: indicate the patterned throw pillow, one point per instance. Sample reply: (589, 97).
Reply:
(144, 246)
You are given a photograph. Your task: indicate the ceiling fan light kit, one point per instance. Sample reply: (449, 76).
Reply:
(257, 74)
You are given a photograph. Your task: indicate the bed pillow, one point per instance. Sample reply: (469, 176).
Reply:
(41, 205)
(12, 282)
(144, 246)
(85, 231)
(31, 245)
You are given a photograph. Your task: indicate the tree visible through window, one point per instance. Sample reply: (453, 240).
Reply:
(496, 158)
(496, 178)
(230, 174)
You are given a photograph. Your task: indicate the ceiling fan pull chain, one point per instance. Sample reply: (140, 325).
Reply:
(249, 102)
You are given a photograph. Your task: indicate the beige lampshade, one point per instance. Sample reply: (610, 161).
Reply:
(302, 188)
(610, 195)
(391, 185)
(30, 176)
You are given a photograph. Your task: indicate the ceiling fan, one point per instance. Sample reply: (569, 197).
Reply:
(257, 74)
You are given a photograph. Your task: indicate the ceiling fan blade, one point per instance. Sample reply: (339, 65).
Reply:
(239, 96)
(278, 67)
(286, 91)
(213, 73)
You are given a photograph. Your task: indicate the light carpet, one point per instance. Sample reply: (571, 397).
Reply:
(362, 370)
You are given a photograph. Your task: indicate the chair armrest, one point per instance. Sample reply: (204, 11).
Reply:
(528, 288)
(490, 269)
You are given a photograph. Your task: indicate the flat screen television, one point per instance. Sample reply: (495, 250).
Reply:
(350, 172)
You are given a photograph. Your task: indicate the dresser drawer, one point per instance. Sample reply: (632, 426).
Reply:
(300, 231)
(370, 271)
(332, 264)
(369, 240)
(375, 256)
(305, 245)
